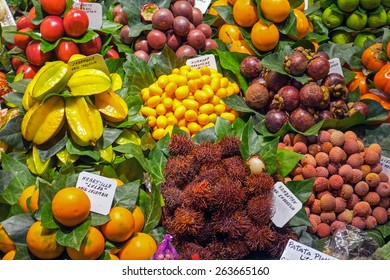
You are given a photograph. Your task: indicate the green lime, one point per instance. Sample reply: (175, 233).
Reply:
(356, 21)
(362, 37)
(385, 3)
(347, 5)
(341, 37)
(369, 4)
(332, 18)
(377, 18)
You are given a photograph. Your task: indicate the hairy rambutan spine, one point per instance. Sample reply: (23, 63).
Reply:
(187, 222)
(230, 146)
(230, 195)
(198, 194)
(259, 184)
(180, 144)
(259, 209)
(235, 167)
(206, 152)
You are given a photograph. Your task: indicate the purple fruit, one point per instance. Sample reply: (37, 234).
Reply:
(275, 120)
(173, 40)
(181, 25)
(318, 68)
(257, 96)
(311, 95)
(196, 39)
(206, 29)
(275, 80)
(185, 51)
(301, 119)
(287, 99)
(251, 67)
(210, 44)
(162, 19)
(182, 8)
(360, 107)
(296, 63)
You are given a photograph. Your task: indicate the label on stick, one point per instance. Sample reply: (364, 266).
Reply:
(298, 251)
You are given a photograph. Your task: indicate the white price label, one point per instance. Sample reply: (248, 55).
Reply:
(6, 17)
(94, 12)
(286, 204)
(335, 66)
(298, 251)
(385, 162)
(100, 190)
(95, 61)
(202, 60)
(202, 5)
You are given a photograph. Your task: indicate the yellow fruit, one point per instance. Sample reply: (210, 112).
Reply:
(6, 243)
(264, 36)
(245, 13)
(141, 246)
(9, 256)
(26, 193)
(88, 82)
(112, 106)
(139, 219)
(91, 247)
(275, 10)
(120, 226)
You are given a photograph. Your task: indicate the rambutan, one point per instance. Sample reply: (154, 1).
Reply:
(230, 193)
(233, 225)
(188, 249)
(198, 194)
(259, 184)
(233, 250)
(207, 152)
(173, 197)
(252, 238)
(283, 235)
(187, 222)
(229, 146)
(260, 210)
(235, 167)
(266, 237)
(180, 144)
(212, 172)
(181, 170)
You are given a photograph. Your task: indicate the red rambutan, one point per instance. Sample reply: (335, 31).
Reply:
(230, 146)
(235, 167)
(180, 170)
(207, 152)
(173, 197)
(230, 193)
(233, 225)
(259, 184)
(233, 250)
(212, 172)
(259, 209)
(180, 144)
(198, 194)
(187, 222)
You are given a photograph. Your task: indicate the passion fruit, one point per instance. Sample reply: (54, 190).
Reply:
(162, 19)
(147, 11)
(181, 26)
(182, 8)
(196, 38)
(185, 51)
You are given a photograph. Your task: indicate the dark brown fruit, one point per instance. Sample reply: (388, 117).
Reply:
(251, 67)
(181, 25)
(182, 8)
(360, 107)
(275, 80)
(196, 39)
(321, 54)
(275, 119)
(311, 95)
(318, 68)
(162, 19)
(286, 99)
(257, 96)
(301, 119)
(296, 63)
(185, 51)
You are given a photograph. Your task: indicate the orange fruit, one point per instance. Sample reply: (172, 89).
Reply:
(245, 13)
(6, 243)
(113, 257)
(141, 246)
(34, 200)
(214, 12)
(9, 256)
(242, 47)
(42, 242)
(118, 182)
(120, 226)
(264, 36)
(26, 193)
(229, 32)
(91, 247)
(301, 7)
(71, 206)
(303, 26)
(139, 219)
(275, 10)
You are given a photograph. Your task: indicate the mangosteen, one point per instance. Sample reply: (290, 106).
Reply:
(296, 63)
(286, 99)
(301, 119)
(251, 67)
(324, 115)
(312, 95)
(275, 80)
(275, 120)
(336, 85)
(257, 96)
(318, 68)
(339, 109)
(321, 54)
(358, 106)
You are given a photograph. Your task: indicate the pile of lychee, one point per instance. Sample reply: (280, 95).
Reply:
(350, 186)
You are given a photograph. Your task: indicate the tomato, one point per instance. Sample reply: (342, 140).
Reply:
(31, 15)
(372, 57)
(28, 70)
(382, 79)
(358, 81)
(34, 54)
(22, 22)
(91, 47)
(76, 22)
(54, 7)
(111, 53)
(65, 49)
(16, 62)
(52, 28)
(20, 40)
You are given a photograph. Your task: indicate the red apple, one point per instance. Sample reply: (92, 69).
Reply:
(20, 40)
(52, 28)
(22, 22)
(34, 54)
(76, 22)
(28, 70)
(91, 47)
(53, 7)
(16, 62)
(31, 15)
(112, 53)
(65, 49)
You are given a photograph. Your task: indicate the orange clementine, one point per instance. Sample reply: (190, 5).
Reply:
(34, 200)
(91, 247)
(302, 23)
(26, 193)
(42, 242)
(141, 246)
(275, 10)
(139, 219)
(242, 47)
(6, 243)
(229, 32)
(9, 256)
(245, 13)
(264, 36)
(120, 226)
(71, 206)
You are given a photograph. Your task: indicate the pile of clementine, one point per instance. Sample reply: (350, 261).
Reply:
(71, 207)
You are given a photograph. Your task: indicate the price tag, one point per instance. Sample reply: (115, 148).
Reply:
(286, 204)
(298, 251)
(99, 189)
(202, 5)
(94, 12)
(6, 18)
(385, 162)
(202, 60)
(95, 61)
(335, 66)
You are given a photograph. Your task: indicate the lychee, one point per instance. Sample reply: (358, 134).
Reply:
(373, 179)
(328, 217)
(376, 168)
(341, 204)
(337, 138)
(323, 136)
(372, 198)
(308, 171)
(350, 135)
(375, 147)
(310, 200)
(315, 207)
(383, 189)
(345, 171)
(358, 222)
(351, 202)
(380, 215)
(298, 178)
(328, 202)
(361, 188)
(371, 157)
(383, 177)
(322, 171)
(288, 139)
(346, 191)
(323, 230)
(385, 202)
(308, 159)
(333, 168)
(371, 222)
(355, 160)
(313, 149)
(351, 146)
(326, 147)
(365, 168)
(313, 228)
(297, 170)
(300, 148)
(281, 145)
(362, 209)
(337, 155)
(361, 144)
(316, 218)
(299, 138)
(320, 184)
(346, 216)
(336, 226)
(322, 159)
(336, 182)
(357, 175)
(321, 194)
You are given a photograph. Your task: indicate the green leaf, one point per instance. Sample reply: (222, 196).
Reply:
(157, 160)
(300, 219)
(384, 229)
(47, 217)
(75, 149)
(383, 253)
(226, 13)
(110, 27)
(151, 206)
(346, 52)
(268, 153)
(66, 177)
(250, 141)
(165, 62)
(222, 128)
(73, 237)
(158, 234)
(98, 219)
(11, 134)
(375, 235)
(287, 160)
(238, 104)
(22, 253)
(48, 150)
(289, 25)
(17, 227)
(207, 134)
(127, 195)
(310, 131)
(238, 127)
(110, 135)
(133, 150)
(301, 189)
